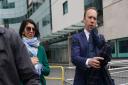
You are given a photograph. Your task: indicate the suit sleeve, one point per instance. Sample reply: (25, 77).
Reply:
(23, 63)
(77, 60)
(99, 41)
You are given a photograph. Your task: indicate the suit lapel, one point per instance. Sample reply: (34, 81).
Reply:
(84, 39)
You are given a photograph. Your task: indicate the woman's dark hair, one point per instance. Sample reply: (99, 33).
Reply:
(23, 25)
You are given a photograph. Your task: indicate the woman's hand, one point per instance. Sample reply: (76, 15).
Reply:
(34, 60)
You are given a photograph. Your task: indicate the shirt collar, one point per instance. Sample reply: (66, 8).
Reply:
(86, 33)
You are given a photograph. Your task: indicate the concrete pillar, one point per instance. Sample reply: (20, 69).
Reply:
(69, 49)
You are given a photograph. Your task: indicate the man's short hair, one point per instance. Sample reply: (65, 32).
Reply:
(85, 11)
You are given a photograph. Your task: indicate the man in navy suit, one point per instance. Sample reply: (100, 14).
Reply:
(84, 51)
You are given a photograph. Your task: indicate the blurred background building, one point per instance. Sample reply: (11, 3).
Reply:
(115, 26)
(12, 12)
(59, 19)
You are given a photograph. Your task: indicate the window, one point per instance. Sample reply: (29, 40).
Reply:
(35, 6)
(38, 24)
(46, 20)
(14, 20)
(11, 5)
(6, 23)
(29, 12)
(65, 7)
(123, 46)
(112, 46)
(8, 5)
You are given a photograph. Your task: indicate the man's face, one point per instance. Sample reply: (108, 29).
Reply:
(90, 19)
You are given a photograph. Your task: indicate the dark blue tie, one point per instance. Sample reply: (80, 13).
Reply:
(91, 46)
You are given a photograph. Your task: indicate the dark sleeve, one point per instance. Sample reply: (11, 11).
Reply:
(77, 60)
(23, 63)
(104, 48)
(99, 40)
(105, 52)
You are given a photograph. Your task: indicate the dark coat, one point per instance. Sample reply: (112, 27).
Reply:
(79, 55)
(15, 65)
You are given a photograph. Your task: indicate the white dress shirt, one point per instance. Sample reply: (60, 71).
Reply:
(87, 36)
(86, 33)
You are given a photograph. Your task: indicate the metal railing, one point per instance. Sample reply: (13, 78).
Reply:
(57, 78)
(120, 75)
(66, 74)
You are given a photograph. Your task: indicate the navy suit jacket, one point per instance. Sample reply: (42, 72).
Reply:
(79, 55)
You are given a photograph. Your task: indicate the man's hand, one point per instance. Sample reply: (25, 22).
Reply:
(95, 62)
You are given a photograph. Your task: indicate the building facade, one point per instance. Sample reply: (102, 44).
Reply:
(12, 12)
(67, 20)
(115, 26)
(59, 19)
(39, 11)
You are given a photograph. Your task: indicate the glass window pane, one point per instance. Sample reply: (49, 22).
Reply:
(113, 47)
(46, 20)
(65, 7)
(123, 46)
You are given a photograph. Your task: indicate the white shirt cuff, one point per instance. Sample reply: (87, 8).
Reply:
(87, 63)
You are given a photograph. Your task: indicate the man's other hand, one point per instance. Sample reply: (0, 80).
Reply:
(95, 62)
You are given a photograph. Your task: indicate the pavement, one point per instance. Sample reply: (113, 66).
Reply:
(118, 70)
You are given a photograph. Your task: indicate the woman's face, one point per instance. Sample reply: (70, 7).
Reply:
(29, 31)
